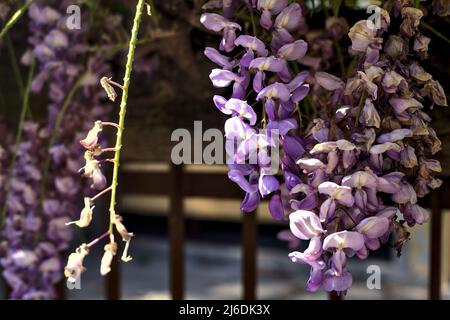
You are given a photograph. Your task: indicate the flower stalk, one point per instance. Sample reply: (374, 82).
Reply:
(16, 16)
(23, 112)
(123, 109)
(92, 168)
(55, 131)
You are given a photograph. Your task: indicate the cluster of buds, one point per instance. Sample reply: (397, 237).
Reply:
(92, 170)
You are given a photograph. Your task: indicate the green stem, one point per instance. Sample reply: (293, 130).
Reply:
(297, 106)
(123, 109)
(339, 56)
(155, 14)
(437, 33)
(23, 112)
(252, 18)
(324, 8)
(54, 134)
(313, 7)
(264, 116)
(360, 107)
(116, 48)
(15, 66)
(336, 5)
(16, 16)
(351, 66)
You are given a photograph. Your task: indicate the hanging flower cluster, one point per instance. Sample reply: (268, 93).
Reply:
(92, 171)
(30, 256)
(262, 73)
(45, 185)
(353, 176)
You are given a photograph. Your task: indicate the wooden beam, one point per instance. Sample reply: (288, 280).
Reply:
(176, 233)
(249, 255)
(435, 245)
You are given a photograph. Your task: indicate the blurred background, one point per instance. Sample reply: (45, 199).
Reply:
(193, 207)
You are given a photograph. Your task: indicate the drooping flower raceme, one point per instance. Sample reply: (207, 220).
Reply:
(68, 72)
(265, 92)
(352, 178)
(94, 157)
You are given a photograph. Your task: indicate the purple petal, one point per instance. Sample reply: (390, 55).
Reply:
(291, 179)
(311, 164)
(220, 102)
(223, 78)
(214, 55)
(216, 22)
(305, 224)
(338, 261)
(343, 194)
(308, 203)
(315, 280)
(276, 90)
(405, 194)
(390, 183)
(242, 109)
(402, 104)
(293, 147)
(336, 283)
(373, 227)
(272, 6)
(300, 93)
(395, 135)
(290, 18)
(286, 235)
(360, 179)
(266, 20)
(283, 126)
(414, 213)
(271, 63)
(238, 178)
(250, 202)
(98, 179)
(276, 207)
(327, 210)
(298, 80)
(252, 43)
(328, 81)
(235, 128)
(246, 59)
(293, 51)
(267, 184)
(343, 240)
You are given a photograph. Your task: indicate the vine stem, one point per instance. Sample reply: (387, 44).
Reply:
(252, 18)
(123, 109)
(339, 56)
(15, 66)
(54, 134)
(16, 16)
(362, 99)
(436, 32)
(23, 112)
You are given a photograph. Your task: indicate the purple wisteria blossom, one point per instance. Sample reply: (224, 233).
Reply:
(353, 175)
(262, 72)
(34, 229)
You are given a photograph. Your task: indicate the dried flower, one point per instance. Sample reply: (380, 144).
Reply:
(110, 252)
(74, 266)
(86, 214)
